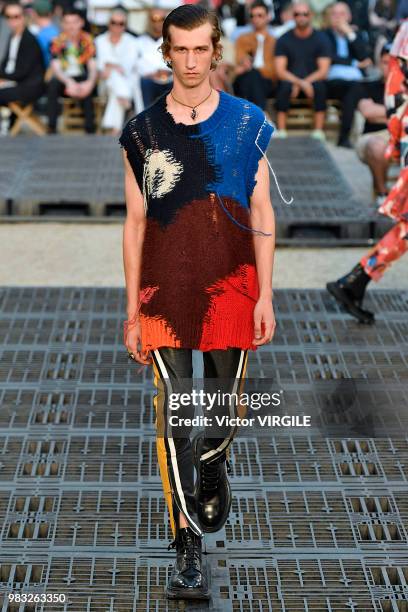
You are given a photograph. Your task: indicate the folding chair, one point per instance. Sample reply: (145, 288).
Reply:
(25, 115)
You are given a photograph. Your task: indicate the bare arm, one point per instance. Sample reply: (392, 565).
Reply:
(133, 236)
(283, 74)
(323, 65)
(263, 218)
(372, 111)
(59, 73)
(92, 72)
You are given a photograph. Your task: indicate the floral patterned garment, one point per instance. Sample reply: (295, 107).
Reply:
(70, 54)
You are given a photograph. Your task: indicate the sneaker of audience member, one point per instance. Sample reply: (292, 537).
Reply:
(318, 134)
(281, 134)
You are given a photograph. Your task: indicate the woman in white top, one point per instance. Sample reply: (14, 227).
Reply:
(116, 54)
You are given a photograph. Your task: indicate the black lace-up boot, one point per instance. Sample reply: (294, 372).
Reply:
(212, 489)
(188, 579)
(349, 291)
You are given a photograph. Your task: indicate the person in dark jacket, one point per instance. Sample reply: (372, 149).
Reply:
(22, 68)
(4, 32)
(349, 57)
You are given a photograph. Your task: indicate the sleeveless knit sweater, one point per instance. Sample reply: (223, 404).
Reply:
(199, 285)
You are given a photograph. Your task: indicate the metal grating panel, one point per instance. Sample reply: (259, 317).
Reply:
(88, 184)
(317, 524)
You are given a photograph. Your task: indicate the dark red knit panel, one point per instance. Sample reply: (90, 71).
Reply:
(193, 262)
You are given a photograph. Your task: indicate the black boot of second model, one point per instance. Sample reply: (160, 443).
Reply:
(212, 489)
(349, 291)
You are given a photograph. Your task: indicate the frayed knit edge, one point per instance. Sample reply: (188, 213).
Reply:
(262, 138)
(226, 334)
(135, 159)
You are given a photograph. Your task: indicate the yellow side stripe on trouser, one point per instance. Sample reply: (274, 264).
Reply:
(160, 446)
(242, 408)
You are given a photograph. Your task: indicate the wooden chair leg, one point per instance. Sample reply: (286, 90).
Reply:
(25, 114)
(36, 125)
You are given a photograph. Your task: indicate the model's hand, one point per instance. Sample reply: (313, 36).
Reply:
(133, 343)
(264, 321)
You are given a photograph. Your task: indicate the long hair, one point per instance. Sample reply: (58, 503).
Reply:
(188, 17)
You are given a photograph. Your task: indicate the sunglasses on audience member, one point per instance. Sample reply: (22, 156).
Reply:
(118, 23)
(301, 14)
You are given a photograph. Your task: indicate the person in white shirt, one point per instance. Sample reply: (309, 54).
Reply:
(156, 76)
(116, 57)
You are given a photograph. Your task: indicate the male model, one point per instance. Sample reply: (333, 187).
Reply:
(198, 256)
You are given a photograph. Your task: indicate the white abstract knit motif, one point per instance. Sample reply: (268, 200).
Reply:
(161, 173)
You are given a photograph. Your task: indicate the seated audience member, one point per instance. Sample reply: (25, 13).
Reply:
(319, 9)
(349, 55)
(382, 18)
(47, 29)
(156, 77)
(359, 15)
(402, 10)
(4, 32)
(74, 69)
(383, 22)
(22, 69)
(222, 75)
(371, 145)
(243, 18)
(286, 20)
(255, 62)
(302, 59)
(116, 56)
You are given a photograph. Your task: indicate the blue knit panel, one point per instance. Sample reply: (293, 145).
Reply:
(232, 150)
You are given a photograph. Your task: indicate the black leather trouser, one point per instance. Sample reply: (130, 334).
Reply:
(224, 371)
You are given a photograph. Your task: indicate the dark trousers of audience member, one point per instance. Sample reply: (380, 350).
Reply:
(350, 93)
(253, 86)
(21, 93)
(284, 93)
(152, 90)
(55, 90)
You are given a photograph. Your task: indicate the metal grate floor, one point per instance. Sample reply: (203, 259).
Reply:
(317, 524)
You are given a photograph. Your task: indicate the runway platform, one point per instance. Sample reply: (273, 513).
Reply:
(317, 524)
(68, 177)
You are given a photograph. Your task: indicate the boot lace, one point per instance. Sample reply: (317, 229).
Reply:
(190, 549)
(189, 545)
(210, 473)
